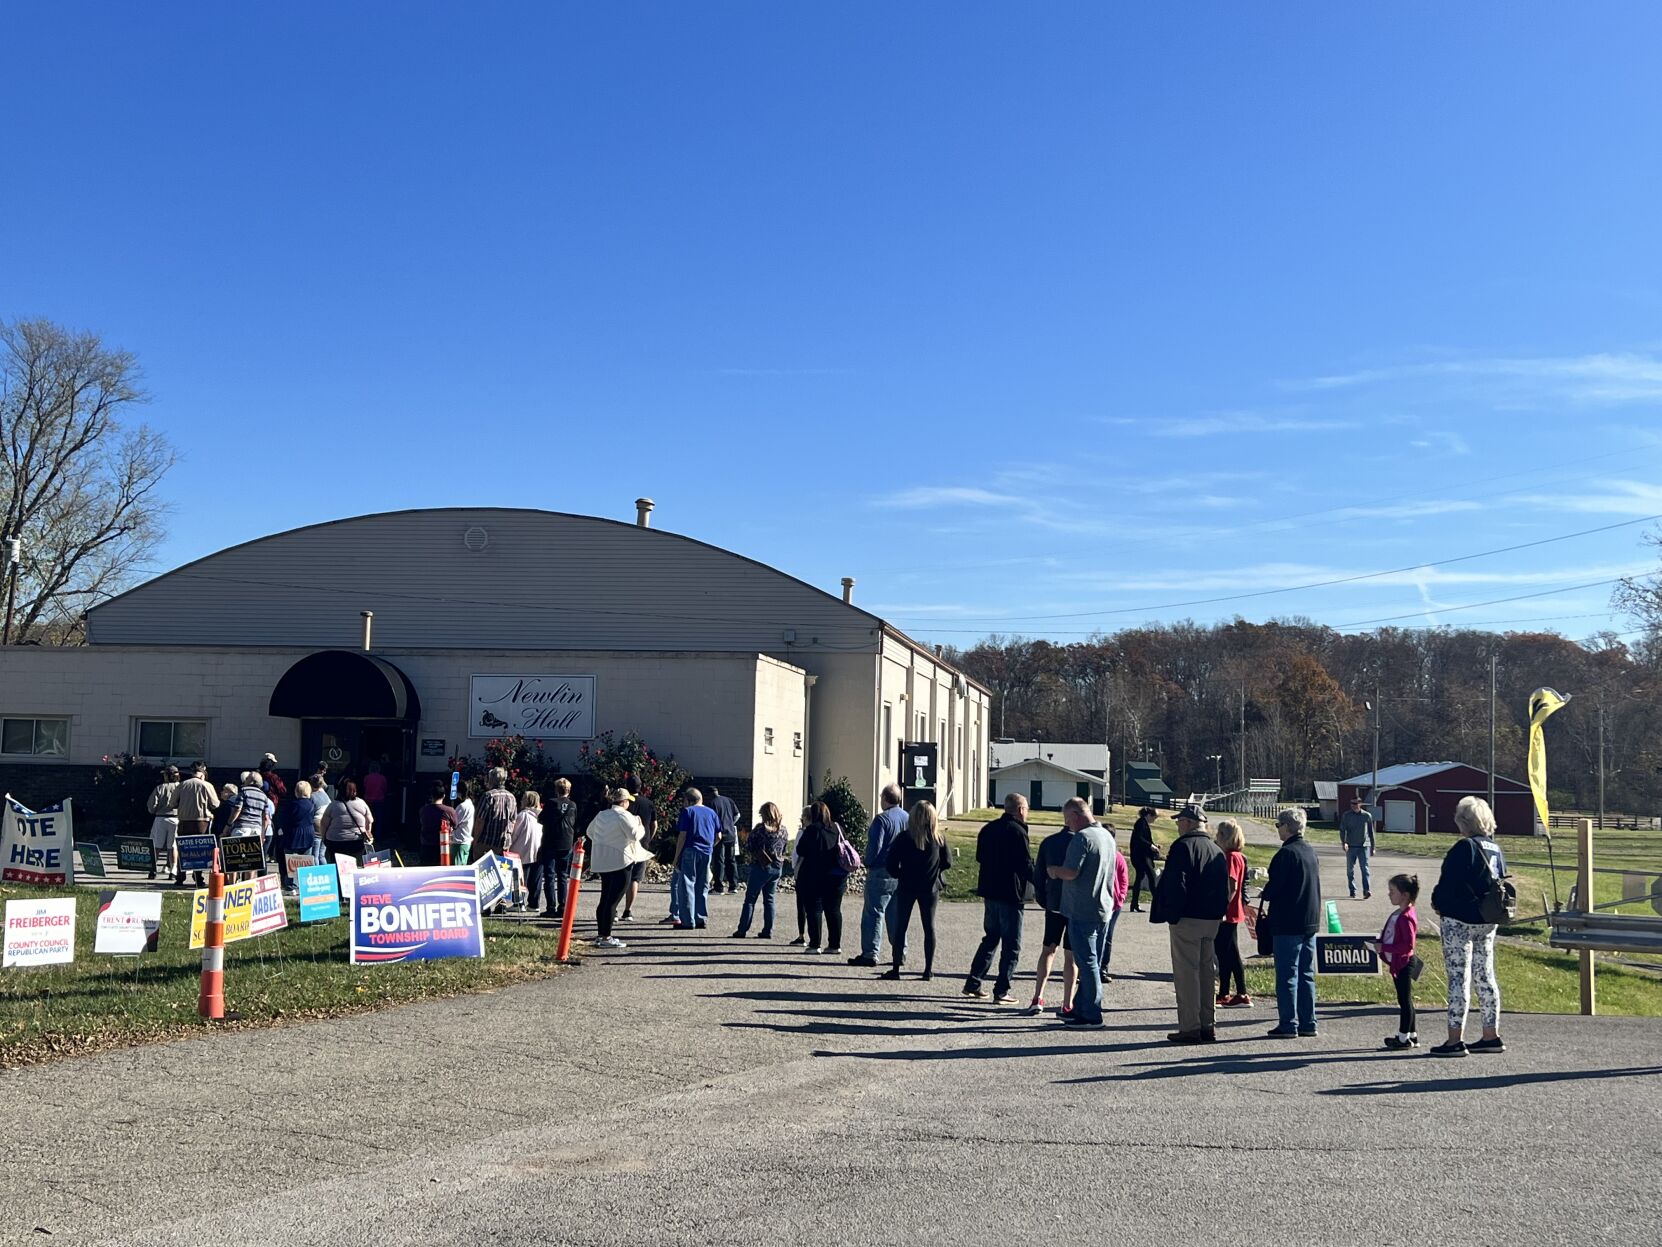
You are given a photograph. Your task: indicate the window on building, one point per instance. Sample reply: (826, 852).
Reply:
(34, 738)
(888, 729)
(923, 730)
(767, 740)
(796, 744)
(171, 739)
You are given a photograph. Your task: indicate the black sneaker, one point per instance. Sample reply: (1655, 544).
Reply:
(1450, 1048)
(1281, 1033)
(870, 962)
(1311, 1033)
(1487, 1045)
(891, 974)
(1397, 1044)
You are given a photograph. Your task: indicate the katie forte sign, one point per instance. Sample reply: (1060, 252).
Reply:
(540, 707)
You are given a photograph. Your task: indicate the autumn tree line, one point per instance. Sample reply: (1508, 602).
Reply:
(1179, 694)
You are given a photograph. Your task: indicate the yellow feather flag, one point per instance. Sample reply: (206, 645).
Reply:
(1543, 704)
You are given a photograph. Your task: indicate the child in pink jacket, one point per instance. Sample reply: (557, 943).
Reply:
(1396, 950)
(1122, 885)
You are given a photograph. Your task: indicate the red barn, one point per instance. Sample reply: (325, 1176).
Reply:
(1420, 797)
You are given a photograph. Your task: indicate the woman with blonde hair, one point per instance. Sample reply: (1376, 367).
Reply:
(525, 840)
(1470, 869)
(766, 847)
(1233, 843)
(918, 859)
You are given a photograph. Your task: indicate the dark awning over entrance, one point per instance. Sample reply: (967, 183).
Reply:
(344, 684)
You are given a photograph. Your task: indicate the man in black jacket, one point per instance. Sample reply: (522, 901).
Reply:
(1294, 897)
(1006, 862)
(1192, 895)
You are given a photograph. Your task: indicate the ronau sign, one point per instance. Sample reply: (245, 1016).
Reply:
(539, 707)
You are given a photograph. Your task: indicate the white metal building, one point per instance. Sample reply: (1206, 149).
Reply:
(484, 622)
(1047, 785)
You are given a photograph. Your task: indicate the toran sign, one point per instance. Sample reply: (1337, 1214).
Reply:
(540, 707)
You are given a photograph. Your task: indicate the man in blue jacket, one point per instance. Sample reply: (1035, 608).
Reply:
(880, 884)
(695, 837)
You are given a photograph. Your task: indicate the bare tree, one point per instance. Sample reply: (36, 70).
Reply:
(77, 482)
(1641, 596)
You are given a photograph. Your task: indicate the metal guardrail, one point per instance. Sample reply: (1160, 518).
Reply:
(1610, 933)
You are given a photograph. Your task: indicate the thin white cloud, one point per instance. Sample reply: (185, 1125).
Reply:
(1407, 510)
(1442, 442)
(1603, 498)
(1237, 423)
(925, 496)
(1598, 378)
(1264, 576)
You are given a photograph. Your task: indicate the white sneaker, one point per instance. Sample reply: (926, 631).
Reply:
(611, 941)
(811, 951)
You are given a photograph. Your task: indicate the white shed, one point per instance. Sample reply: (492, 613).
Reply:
(1046, 785)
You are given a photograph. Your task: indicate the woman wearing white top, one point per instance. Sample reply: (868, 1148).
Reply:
(525, 841)
(461, 831)
(616, 837)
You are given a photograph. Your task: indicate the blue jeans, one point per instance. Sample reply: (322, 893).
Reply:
(1295, 981)
(763, 880)
(554, 872)
(692, 886)
(1001, 923)
(1355, 853)
(1108, 940)
(874, 914)
(1085, 941)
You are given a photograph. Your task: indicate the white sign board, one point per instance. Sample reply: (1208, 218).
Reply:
(128, 923)
(40, 933)
(36, 846)
(538, 707)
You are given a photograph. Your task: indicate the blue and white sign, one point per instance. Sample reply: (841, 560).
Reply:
(196, 853)
(319, 889)
(415, 914)
(493, 880)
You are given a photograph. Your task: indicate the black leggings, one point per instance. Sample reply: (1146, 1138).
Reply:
(1406, 1021)
(825, 900)
(1143, 871)
(613, 884)
(1229, 959)
(901, 909)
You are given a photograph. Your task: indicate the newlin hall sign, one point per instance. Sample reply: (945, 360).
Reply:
(539, 707)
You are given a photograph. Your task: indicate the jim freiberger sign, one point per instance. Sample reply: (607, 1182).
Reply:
(541, 707)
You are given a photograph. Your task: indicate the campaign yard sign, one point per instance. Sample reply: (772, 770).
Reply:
(380, 857)
(319, 888)
(129, 923)
(196, 853)
(239, 853)
(135, 855)
(40, 933)
(92, 859)
(252, 907)
(415, 914)
(37, 846)
(492, 879)
(1346, 954)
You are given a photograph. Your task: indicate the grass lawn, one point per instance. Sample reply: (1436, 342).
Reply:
(962, 830)
(302, 972)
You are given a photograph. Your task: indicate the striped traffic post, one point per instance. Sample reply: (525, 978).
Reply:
(210, 1000)
(573, 887)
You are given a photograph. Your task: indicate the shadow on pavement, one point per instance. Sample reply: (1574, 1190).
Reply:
(1492, 1082)
(990, 1054)
(1279, 1062)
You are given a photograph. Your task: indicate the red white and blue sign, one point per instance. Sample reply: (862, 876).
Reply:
(415, 914)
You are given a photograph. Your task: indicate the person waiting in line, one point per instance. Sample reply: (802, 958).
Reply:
(1145, 855)
(164, 822)
(766, 847)
(1121, 885)
(1232, 841)
(794, 872)
(348, 825)
(696, 831)
(461, 831)
(225, 811)
(1005, 858)
(1293, 895)
(617, 839)
(1470, 866)
(251, 815)
(495, 815)
(196, 804)
(1396, 949)
(1087, 875)
(918, 859)
(724, 868)
(559, 836)
(822, 878)
(1053, 851)
(1192, 897)
(374, 789)
(434, 823)
(294, 831)
(272, 782)
(646, 810)
(525, 842)
(880, 885)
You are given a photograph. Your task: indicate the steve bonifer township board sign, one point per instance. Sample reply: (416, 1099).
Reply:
(538, 707)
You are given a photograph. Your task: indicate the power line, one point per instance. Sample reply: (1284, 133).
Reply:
(1446, 610)
(1321, 584)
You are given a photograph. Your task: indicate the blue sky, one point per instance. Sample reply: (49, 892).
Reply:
(1035, 319)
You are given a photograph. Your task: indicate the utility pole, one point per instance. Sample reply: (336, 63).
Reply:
(1493, 661)
(1373, 797)
(11, 557)
(1601, 763)
(1244, 784)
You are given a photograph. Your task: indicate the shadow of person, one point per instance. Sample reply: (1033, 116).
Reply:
(1489, 1082)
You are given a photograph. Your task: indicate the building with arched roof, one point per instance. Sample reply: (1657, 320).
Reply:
(413, 636)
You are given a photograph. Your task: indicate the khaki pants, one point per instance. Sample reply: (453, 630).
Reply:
(1194, 971)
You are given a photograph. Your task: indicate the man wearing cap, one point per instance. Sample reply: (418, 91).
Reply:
(1191, 898)
(164, 826)
(1356, 834)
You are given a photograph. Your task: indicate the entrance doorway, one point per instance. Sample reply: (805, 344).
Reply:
(352, 748)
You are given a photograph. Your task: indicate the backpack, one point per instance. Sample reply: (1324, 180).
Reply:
(847, 855)
(1498, 902)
